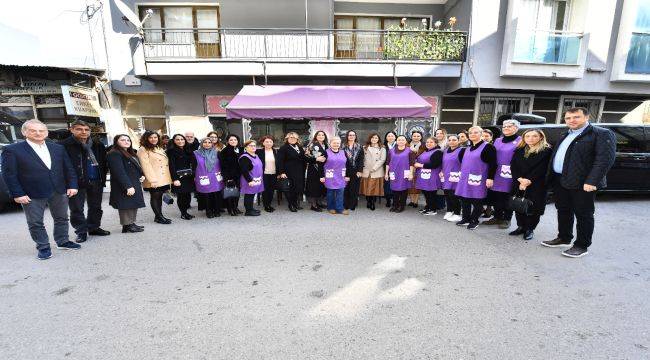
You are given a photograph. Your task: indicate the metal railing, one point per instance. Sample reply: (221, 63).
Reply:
(309, 44)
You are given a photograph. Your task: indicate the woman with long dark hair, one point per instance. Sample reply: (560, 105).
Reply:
(229, 158)
(315, 190)
(291, 165)
(155, 166)
(126, 178)
(354, 155)
(389, 144)
(180, 169)
(372, 178)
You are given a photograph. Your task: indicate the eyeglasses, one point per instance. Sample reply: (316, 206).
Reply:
(508, 126)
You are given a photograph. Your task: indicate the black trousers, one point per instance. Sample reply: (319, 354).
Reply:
(430, 200)
(453, 202)
(399, 198)
(388, 193)
(499, 200)
(155, 200)
(269, 188)
(292, 198)
(472, 208)
(92, 194)
(232, 203)
(183, 201)
(574, 204)
(351, 193)
(248, 201)
(212, 201)
(527, 222)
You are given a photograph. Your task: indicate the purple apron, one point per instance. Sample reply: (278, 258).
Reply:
(257, 173)
(473, 173)
(503, 176)
(207, 181)
(427, 179)
(450, 169)
(335, 169)
(398, 169)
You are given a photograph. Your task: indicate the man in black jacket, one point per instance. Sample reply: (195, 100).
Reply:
(89, 161)
(578, 167)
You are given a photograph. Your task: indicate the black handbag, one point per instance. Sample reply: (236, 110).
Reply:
(283, 184)
(183, 173)
(520, 204)
(167, 198)
(230, 191)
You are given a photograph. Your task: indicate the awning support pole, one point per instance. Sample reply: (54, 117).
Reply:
(394, 73)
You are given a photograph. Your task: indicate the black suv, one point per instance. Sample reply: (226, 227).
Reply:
(631, 170)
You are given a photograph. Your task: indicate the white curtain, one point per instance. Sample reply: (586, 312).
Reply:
(207, 19)
(178, 18)
(153, 22)
(344, 41)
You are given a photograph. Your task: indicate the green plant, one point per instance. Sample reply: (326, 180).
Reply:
(404, 43)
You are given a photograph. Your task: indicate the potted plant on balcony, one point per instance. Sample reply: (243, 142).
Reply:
(408, 43)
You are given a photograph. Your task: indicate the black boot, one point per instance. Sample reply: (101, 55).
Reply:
(389, 203)
(132, 228)
(372, 203)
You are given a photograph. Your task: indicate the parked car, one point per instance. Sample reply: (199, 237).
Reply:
(631, 170)
(10, 133)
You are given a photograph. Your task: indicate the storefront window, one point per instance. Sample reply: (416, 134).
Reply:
(53, 117)
(278, 129)
(363, 127)
(20, 112)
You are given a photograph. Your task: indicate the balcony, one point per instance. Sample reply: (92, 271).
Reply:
(303, 52)
(547, 47)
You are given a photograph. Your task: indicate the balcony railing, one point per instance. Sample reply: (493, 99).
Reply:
(547, 47)
(295, 44)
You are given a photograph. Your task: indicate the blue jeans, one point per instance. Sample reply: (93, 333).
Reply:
(335, 199)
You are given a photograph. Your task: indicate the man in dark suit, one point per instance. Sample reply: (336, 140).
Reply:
(580, 162)
(88, 158)
(39, 173)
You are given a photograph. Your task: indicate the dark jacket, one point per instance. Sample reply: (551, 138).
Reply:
(181, 160)
(79, 158)
(261, 153)
(229, 160)
(355, 164)
(292, 163)
(588, 158)
(313, 187)
(125, 173)
(194, 145)
(25, 173)
(532, 168)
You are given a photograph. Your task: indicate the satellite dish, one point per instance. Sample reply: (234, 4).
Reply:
(129, 14)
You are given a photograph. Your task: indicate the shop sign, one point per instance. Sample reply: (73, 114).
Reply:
(27, 87)
(216, 104)
(80, 101)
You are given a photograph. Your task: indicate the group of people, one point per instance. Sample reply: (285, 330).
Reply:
(464, 174)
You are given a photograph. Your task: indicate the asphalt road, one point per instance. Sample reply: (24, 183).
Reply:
(372, 285)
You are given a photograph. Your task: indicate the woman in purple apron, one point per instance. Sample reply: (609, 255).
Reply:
(252, 176)
(478, 164)
(450, 175)
(208, 179)
(399, 171)
(427, 174)
(334, 175)
(500, 192)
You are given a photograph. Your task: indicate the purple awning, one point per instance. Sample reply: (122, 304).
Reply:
(284, 101)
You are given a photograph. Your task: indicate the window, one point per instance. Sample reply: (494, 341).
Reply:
(594, 105)
(638, 57)
(368, 42)
(629, 139)
(491, 107)
(363, 127)
(278, 129)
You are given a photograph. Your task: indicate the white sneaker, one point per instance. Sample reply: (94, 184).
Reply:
(430, 213)
(447, 215)
(455, 218)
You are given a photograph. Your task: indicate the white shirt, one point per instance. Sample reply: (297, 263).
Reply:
(269, 160)
(42, 152)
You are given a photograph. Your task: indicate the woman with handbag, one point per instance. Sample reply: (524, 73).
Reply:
(389, 144)
(427, 174)
(208, 178)
(126, 178)
(528, 166)
(450, 175)
(155, 166)
(252, 176)
(267, 155)
(180, 169)
(291, 165)
(229, 158)
(335, 176)
(399, 170)
(354, 154)
(314, 189)
(372, 176)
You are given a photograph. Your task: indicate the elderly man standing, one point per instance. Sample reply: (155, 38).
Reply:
(500, 192)
(88, 158)
(192, 141)
(578, 167)
(39, 173)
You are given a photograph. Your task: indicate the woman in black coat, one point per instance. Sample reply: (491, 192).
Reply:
(528, 167)
(126, 178)
(314, 189)
(180, 169)
(354, 155)
(291, 164)
(229, 159)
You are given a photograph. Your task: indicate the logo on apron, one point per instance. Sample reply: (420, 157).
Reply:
(219, 177)
(391, 174)
(329, 173)
(343, 172)
(204, 180)
(474, 180)
(257, 181)
(454, 176)
(505, 172)
(425, 174)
